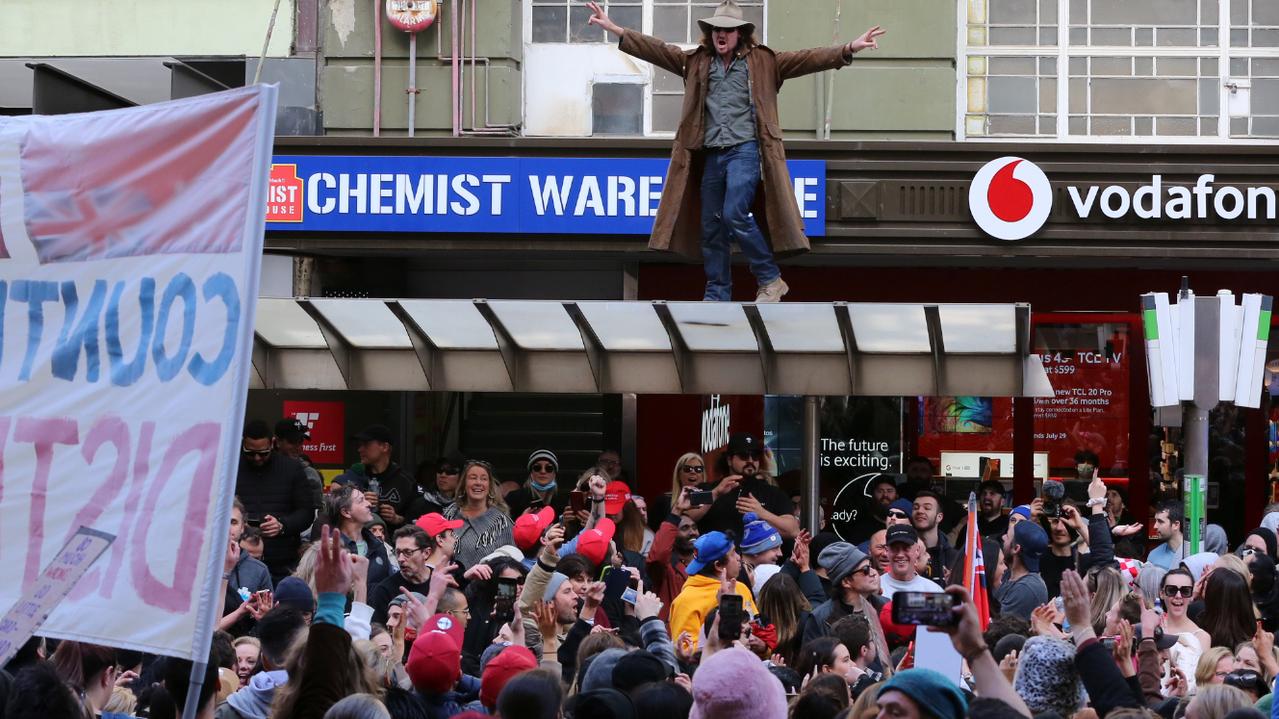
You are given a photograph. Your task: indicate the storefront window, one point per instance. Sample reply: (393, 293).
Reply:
(860, 439)
(1106, 68)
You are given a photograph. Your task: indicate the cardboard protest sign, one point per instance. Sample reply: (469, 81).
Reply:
(56, 582)
(130, 246)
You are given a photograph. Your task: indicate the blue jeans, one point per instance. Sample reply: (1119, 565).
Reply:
(729, 180)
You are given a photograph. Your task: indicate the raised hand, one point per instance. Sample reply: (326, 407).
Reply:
(544, 615)
(868, 40)
(415, 614)
(599, 18)
(1074, 595)
(479, 571)
(333, 570)
(685, 648)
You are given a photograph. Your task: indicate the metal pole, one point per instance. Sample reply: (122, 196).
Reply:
(412, 81)
(1194, 424)
(812, 467)
(192, 705)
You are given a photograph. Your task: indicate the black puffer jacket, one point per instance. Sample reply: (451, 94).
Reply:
(278, 488)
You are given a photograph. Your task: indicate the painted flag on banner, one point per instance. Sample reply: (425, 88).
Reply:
(130, 248)
(975, 566)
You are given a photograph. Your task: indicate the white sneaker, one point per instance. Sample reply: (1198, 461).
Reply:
(772, 292)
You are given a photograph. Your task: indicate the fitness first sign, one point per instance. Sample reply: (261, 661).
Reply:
(1011, 198)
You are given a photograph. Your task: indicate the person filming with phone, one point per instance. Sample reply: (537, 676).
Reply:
(747, 488)
(672, 551)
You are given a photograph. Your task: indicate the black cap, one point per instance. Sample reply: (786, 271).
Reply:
(1162, 640)
(292, 430)
(741, 443)
(901, 534)
(638, 668)
(994, 484)
(374, 433)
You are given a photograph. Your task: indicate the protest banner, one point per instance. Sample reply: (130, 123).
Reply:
(130, 247)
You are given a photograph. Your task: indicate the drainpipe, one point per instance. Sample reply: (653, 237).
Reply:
(377, 68)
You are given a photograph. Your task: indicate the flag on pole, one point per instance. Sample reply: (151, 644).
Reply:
(975, 566)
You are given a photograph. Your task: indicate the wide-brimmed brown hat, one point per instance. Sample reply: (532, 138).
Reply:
(728, 16)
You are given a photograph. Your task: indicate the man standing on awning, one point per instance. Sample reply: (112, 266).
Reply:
(728, 137)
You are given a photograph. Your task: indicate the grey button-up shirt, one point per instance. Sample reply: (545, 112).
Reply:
(730, 119)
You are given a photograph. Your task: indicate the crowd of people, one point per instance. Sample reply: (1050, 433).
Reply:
(454, 594)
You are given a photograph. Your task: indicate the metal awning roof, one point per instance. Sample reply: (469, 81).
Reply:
(796, 348)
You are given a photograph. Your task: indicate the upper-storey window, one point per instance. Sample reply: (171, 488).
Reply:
(1109, 69)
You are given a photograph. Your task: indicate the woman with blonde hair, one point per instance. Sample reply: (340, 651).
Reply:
(1107, 587)
(486, 525)
(1214, 665)
(690, 471)
(1216, 702)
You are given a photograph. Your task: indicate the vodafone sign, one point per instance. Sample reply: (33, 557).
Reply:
(1010, 198)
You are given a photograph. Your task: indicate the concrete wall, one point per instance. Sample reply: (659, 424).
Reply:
(44, 28)
(906, 90)
(346, 78)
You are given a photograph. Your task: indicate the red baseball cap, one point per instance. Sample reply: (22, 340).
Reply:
(593, 543)
(501, 669)
(615, 496)
(444, 623)
(435, 523)
(530, 525)
(435, 662)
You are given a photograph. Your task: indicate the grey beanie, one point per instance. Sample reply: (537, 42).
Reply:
(599, 675)
(839, 559)
(553, 586)
(542, 454)
(1046, 677)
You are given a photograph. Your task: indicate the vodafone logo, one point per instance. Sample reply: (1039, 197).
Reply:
(1010, 198)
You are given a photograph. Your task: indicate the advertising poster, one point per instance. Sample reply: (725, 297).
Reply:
(1088, 365)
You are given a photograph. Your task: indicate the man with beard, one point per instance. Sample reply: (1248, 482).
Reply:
(747, 488)
(1022, 589)
(671, 552)
(992, 520)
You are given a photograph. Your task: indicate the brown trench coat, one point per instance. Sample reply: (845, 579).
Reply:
(678, 226)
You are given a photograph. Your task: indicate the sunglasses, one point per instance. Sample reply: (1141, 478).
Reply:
(868, 570)
(694, 468)
(898, 514)
(1172, 591)
(256, 452)
(543, 467)
(448, 469)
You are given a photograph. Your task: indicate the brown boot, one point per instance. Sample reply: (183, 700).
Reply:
(772, 292)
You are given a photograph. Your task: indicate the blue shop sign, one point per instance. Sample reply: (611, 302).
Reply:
(527, 195)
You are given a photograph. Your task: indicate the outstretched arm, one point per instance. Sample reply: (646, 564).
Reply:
(804, 62)
(633, 42)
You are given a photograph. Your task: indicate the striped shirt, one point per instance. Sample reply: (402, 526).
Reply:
(479, 536)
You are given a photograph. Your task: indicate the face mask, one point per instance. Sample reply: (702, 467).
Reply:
(542, 487)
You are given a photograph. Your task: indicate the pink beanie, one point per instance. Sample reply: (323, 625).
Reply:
(735, 684)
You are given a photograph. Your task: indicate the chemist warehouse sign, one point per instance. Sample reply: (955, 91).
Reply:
(535, 195)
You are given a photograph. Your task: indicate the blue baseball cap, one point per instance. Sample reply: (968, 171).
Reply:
(1023, 510)
(1033, 541)
(708, 549)
(904, 505)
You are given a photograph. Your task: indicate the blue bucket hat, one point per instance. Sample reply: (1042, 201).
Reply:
(708, 549)
(759, 536)
(1023, 510)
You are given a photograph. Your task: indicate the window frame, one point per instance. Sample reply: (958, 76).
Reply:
(1064, 51)
(648, 75)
